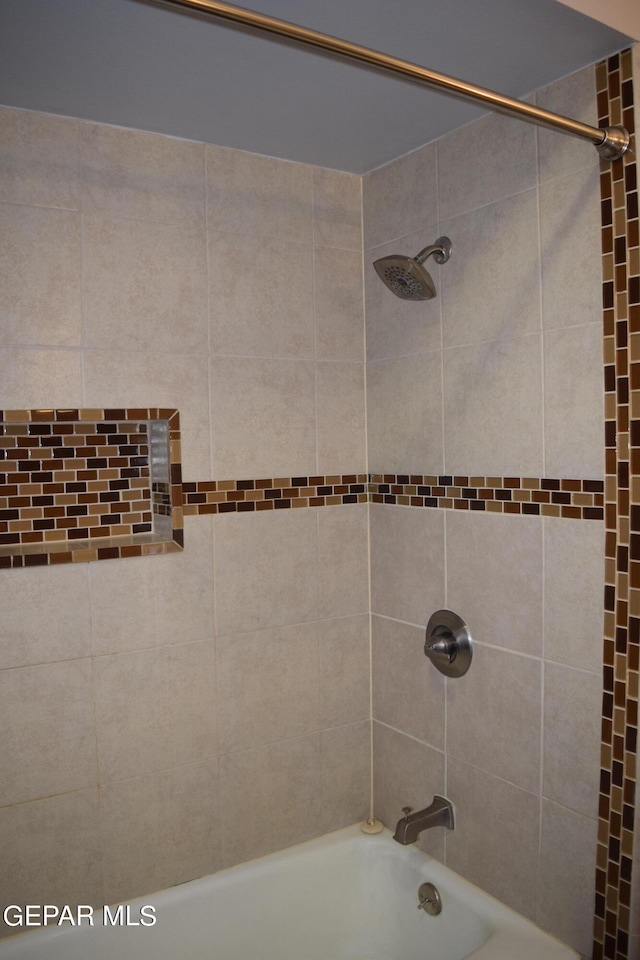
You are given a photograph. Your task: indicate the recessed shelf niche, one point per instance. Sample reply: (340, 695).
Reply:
(81, 485)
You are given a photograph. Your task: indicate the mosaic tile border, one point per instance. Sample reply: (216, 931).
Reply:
(88, 484)
(278, 493)
(546, 497)
(621, 315)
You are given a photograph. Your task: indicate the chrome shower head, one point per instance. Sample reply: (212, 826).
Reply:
(407, 277)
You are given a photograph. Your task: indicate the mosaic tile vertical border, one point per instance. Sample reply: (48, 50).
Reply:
(621, 317)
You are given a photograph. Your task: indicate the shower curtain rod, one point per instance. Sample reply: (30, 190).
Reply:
(610, 142)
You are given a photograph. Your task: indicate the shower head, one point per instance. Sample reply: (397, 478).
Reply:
(407, 277)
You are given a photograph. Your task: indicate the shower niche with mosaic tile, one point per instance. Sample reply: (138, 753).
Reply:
(80, 485)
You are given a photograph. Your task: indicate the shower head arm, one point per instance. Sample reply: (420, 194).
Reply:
(440, 251)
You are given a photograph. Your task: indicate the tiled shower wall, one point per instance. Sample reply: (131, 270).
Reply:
(500, 376)
(165, 716)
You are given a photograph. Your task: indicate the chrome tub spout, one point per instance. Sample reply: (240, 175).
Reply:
(438, 814)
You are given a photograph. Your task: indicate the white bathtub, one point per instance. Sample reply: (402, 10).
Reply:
(345, 896)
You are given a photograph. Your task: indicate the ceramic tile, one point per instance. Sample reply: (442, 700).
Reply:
(340, 417)
(470, 173)
(338, 304)
(408, 694)
(392, 207)
(145, 286)
(404, 404)
(343, 575)
(571, 743)
(494, 716)
(268, 686)
(493, 407)
(346, 772)
(141, 175)
(57, 627)
(40, 276)
(407, 563)
(48, 744)
(494, 578)
(343, 650)
(263, 417)
(51, 852)
(154, 709)
(574, 569)
(573, 96)
(494, 819)
(258, 196)
(567, 869)
(159, 830)
(491, 285)
(41, 159)
(278, 789)
(266, 570)
(337, 209)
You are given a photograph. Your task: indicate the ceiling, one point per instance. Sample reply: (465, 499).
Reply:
(137, 63)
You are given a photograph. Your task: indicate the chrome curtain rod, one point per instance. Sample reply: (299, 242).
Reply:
(610, 142)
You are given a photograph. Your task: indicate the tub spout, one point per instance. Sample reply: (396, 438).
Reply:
(439, 814)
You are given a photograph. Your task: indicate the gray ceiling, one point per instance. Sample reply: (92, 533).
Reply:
(139, 64)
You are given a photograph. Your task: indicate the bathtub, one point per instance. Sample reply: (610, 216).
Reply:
(345, 896)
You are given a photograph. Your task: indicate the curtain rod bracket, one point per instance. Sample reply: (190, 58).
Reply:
(614, 144)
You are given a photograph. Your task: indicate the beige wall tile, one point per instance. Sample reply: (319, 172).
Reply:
(140, 175)
(41, 159)
(396, 327)
(56, 626)
(277, 789)
(118, 379)
(42, 379)
(263, 417)
(345, 754)
(406, 773)
(570, 259)
(40, 276)
(470, 171)
(573, 402)
(337, 208)
(573, 96)
(407, 562)
(260, 296)
(567, 871)
(154, 709)
(258, 196)
(574, 571)
(268, 686)
(493, 408)
(404, 414)
(491, 284)
(400, 197)
(266, 570)
(48, 742)
(408, 693)
(494, 578)
(493, 716)
(495, 841)
(338, 304)
(172, 601)
(571, 744)
(343, 651)
(340, 416)
(159, 830)
(145, 286)
(343, 569)
(51, 852)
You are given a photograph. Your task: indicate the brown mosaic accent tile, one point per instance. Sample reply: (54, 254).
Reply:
(279, 493)
(73, 481)
(614, 882)
(530, 496)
